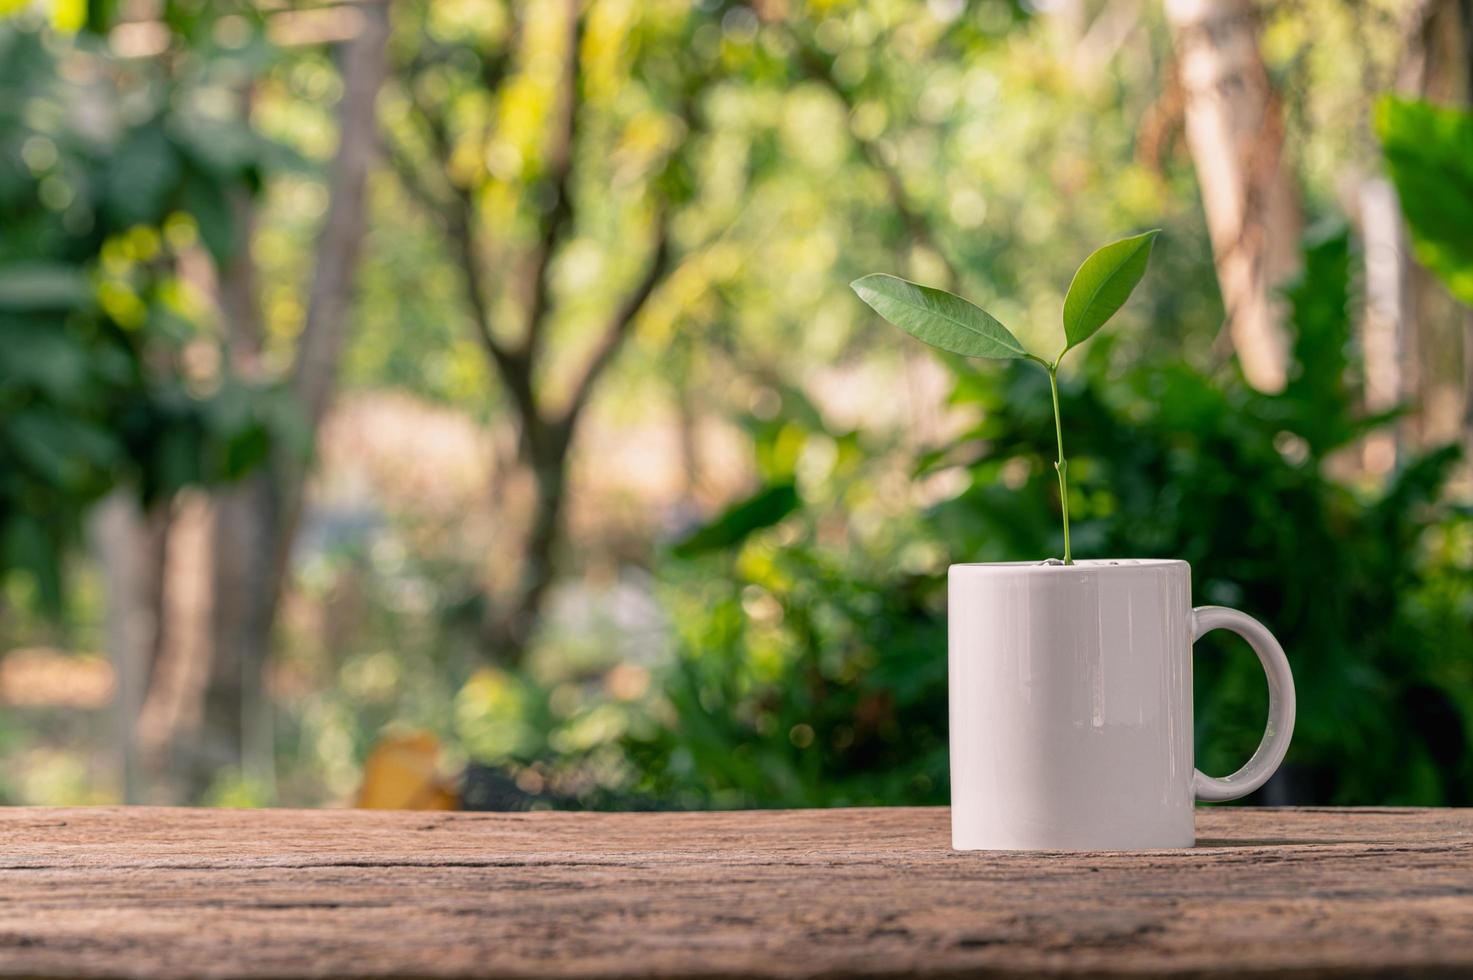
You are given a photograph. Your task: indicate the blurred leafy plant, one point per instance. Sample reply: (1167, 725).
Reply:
(1429, 154)
(806, 672)
(1370, 590)
(95, 321)
(1100, 288)
(813, 665)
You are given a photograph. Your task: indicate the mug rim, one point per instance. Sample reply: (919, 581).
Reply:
(1083, 564)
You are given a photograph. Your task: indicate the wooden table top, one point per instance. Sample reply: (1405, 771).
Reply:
(157, 892)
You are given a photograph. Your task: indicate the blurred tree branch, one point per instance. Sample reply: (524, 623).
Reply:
(255, 520)
(620, 323)
(519, 357)
(563, 129)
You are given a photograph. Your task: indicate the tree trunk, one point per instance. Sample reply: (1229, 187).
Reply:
(1388, 326)
(1235, 132)
(233, 736)
(256, 519)
(511, 628)
(242, 555)
(130, 545)
(171, 707)
(1439, 67)
(544, 434)
(1436, 64)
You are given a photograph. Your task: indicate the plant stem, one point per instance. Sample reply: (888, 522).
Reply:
(1061, 464)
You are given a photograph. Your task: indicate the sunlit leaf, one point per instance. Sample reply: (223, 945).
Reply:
(938, 317)
(1102, 285)
(402, 772)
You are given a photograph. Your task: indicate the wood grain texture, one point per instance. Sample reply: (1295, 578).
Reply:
(174, 893)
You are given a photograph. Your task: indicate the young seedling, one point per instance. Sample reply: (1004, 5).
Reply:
(1101, 286)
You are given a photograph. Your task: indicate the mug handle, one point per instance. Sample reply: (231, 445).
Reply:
(1275, 742)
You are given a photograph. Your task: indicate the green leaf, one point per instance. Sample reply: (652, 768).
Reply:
(101, 15)
(27, 287)
(1102, 285)
(1326, 402)
(205, 198)
(61, 449)
(1429, 154)
(938, 318)
(142, 175)
(28, 543)
(225, 150)
(46, 358)
(763, 509)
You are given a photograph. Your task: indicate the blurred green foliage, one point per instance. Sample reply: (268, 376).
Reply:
(1429, 153)
(790, 650)
(95, 322)
(812, 673)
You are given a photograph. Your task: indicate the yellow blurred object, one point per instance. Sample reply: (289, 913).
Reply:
(402, 773)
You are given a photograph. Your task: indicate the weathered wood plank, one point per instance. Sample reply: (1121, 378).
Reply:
(151, 892)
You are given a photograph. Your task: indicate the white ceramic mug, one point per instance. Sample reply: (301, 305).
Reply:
(1071, 705)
